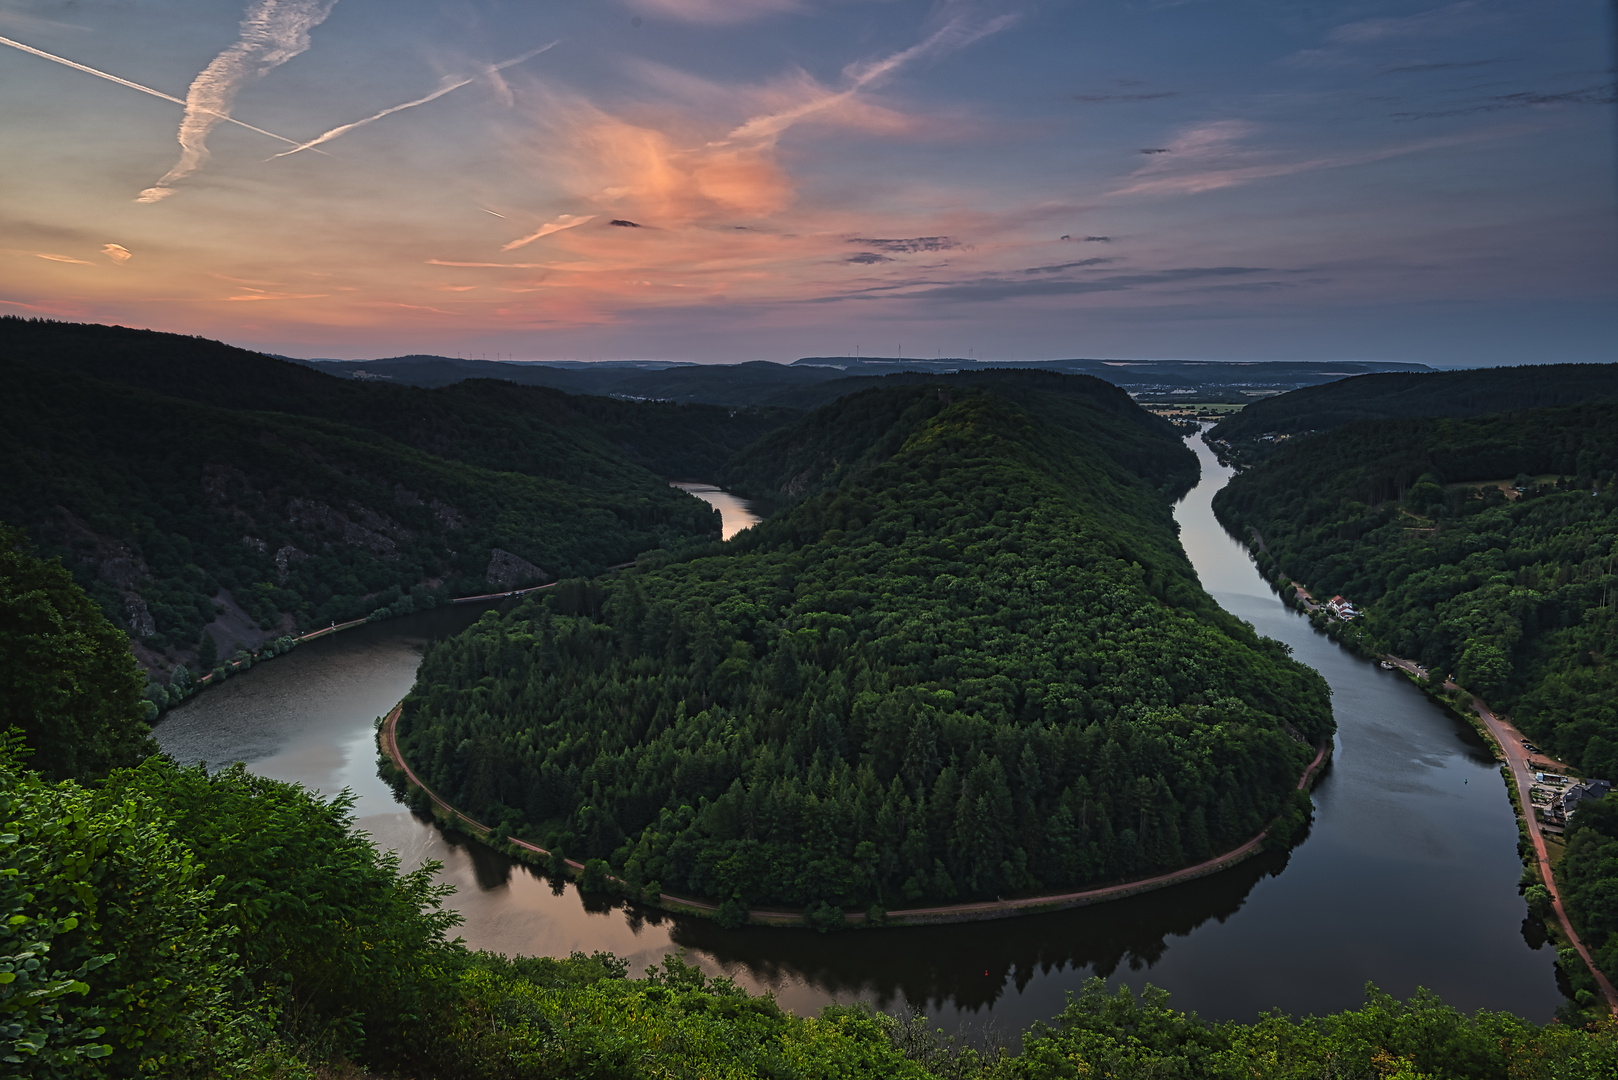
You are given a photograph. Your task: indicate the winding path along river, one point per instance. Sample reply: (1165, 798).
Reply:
(1408, 877)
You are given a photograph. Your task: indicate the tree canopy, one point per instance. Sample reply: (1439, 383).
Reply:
(68, 681)
(1259, 429)
(969, 659)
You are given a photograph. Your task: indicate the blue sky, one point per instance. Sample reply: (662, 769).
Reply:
(736, 179)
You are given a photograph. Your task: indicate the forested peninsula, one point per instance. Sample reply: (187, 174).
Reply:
(209, 497)
(969, 659)
(1486, 548)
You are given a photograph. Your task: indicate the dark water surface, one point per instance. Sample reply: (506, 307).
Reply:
(1408, 877)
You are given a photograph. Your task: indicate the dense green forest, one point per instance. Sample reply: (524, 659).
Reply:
(1588, 878)
(485, 422)
(1256, 432)
(1420, 523)
(68, 683)
(1485, 548)
(186, 483)
(970, 659)
(158, 921)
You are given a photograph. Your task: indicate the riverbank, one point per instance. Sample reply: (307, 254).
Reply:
(399, 768)
(283, 645)
(1518, 772)
(1506, 742)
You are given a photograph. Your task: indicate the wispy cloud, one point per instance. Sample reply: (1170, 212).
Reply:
(261, 294)
(272, 32)
(88, 70)
(566, 221)
(1437, 22)
(117, 253)
(450, 83)
(1216, 155)
(1443, 65)
(957, 33)
(713, 12)
(987, 289)
(59, 258)
(1059, 267)
(1349, 43)
(1112, 99)
(1600, 94)
(909, 246)
(491, 265)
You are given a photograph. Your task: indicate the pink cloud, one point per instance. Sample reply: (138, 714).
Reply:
(712, 12)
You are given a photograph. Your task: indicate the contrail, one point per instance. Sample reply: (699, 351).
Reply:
(455, 84)
(956, 34)
(272, 32)
(42, 54)
(566, 221)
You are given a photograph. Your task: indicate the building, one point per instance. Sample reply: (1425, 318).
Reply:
(1341, 608)
(1568, 802)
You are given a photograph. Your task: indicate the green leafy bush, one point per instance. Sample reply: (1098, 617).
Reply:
(68, 681)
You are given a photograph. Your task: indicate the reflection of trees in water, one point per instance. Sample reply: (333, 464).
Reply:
(963, 966)
(968, 966)
(490, 869)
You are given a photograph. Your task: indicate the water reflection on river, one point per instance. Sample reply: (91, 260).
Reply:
(1408, 876)
(734, 513)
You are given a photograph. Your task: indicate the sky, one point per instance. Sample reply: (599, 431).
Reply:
(727, 180)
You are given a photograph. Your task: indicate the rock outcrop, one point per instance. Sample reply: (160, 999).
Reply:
(508, 571)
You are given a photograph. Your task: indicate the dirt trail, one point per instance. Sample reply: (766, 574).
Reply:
(986, 909)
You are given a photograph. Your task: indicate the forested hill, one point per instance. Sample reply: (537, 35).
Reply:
(1253, 434)
(790, 460)
(970, 660)
(485, 422)
(189, 484)
(1482, 547)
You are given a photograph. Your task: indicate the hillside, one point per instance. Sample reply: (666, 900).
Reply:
(189, 484)
(496, 425)
(969, 659)
(1254, 433)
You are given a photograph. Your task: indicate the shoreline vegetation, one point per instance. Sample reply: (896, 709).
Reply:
(270, 650)
(418, 796)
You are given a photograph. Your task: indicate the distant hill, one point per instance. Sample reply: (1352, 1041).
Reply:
(760, 382)
(1251, 435)
(756, 382)
(791, 460)
(189, 484)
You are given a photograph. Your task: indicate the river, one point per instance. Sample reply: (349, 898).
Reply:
(1407, 878)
